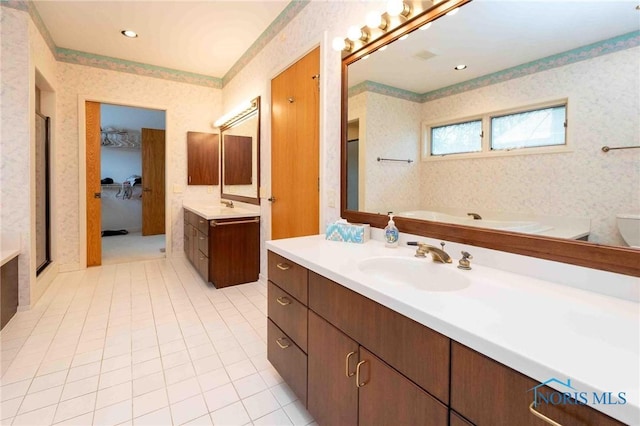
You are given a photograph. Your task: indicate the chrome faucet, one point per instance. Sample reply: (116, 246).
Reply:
(227, 203)
(438, 255)
(475, 216)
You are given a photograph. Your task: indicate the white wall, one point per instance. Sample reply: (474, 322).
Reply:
(317, 24)
(603, 109)
(29, 53)
(188, 108)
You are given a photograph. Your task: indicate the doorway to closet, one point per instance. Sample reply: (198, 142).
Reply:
(126, 184)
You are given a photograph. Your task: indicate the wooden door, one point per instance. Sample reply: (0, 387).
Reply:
(389, 398)
(94, 214)
(332, 392)
(153, 159)
(295, 169)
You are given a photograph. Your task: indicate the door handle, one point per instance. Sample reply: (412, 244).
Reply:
(97, 195)
(358, 382)
(281, 344)
(284, 301)
(346, 366)
(272, 199)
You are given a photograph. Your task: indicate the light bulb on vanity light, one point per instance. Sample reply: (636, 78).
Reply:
(375, 20)
(339, 44)
(398, 7)
(354, 34)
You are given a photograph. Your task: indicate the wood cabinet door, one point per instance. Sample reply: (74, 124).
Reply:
(234, 251)
(388, 398)
(489, 393)
(332, 392)
(153, 181)
(203, 154)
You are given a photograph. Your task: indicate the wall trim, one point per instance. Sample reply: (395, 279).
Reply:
(583, 53)
(138, 68)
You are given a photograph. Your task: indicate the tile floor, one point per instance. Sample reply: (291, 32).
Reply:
(143, 343)
(131, 247)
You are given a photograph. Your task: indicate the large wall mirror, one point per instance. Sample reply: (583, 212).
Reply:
(506, 152)
(241, 155)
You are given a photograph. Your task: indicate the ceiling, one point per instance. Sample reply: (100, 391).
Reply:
(203, 37)
(493, 35)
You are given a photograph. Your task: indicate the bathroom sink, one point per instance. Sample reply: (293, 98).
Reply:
(421, 274)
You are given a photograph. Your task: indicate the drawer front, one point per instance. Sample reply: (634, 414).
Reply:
(288, 360)
(289, 276)
(489, 393)
(202, 265)
(289, 314)
(203, 243)
(411, 348)
(203, 225)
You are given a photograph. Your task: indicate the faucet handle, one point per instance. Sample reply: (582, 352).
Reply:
(465, 263)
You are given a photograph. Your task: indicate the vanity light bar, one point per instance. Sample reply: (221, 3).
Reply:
(236, 114)
(398, 12)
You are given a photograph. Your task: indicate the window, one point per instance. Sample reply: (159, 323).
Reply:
(526, 130)
(540, 127)
(457, 138)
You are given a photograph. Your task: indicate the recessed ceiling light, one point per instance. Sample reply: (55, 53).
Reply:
(460, 67)
(382, 49)
(129, 33)
(426, 26)
(404, 37)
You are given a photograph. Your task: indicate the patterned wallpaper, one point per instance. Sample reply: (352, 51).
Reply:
(603, 109)
(15, 138)
(188, 108)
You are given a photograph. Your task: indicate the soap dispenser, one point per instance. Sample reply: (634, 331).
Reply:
(391, 233)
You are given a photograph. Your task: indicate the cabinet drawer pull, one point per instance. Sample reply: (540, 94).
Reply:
(283, 266)
(346, 366)
(201, 221)
(358, 382)
(284, 301)
(202, 238)
(237, 222)
(282, 345)
(542, 416)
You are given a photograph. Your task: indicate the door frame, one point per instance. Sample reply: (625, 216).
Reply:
(325, 59)
(82, 171)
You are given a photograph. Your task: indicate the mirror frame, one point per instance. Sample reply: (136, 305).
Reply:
(241, 198)
(622, 260)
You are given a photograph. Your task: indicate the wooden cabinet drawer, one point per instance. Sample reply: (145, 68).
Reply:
(289, 276)
(203, 243)
(409, 347)
(289, 314)
(203, 225)
(489, 393)
(288, 360)
(202, 265)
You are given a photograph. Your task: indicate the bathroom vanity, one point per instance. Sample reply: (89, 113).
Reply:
(222, 244)
(359, 345)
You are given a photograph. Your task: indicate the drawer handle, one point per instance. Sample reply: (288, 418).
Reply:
(542, 416)
(358, 382)
(202, 238)
(283, 266)
(346, 366)
(284, 301)
(282, 345)
(201, 221)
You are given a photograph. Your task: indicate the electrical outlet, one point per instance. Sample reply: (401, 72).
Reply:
(263, 192)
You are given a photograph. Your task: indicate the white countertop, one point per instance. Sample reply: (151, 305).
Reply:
(213, 210)
(7, 254)
(539, 328)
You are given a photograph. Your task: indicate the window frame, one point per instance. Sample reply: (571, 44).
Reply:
(485, 118)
